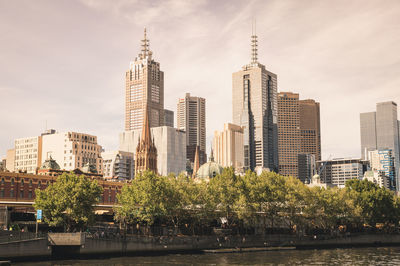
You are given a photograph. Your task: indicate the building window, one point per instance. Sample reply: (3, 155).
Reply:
(39, 184)
(155, 93)
(11, 193)
(2, 181)
(30, 194)
(12, 181)
(21, 194)
(2, 193)
(30, 182)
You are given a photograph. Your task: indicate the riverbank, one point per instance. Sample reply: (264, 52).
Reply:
(40, 249)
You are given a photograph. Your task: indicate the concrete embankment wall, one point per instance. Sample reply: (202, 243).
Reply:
(25, 248)
(142, 244)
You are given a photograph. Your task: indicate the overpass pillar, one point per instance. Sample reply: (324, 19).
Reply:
(4, 216)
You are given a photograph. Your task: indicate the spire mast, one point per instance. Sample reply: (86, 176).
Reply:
(254, 44)
(145, 44)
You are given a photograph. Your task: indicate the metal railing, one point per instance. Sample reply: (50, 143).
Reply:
(15, 236)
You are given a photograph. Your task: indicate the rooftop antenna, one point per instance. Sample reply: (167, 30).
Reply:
(254, 45)
(145, 44)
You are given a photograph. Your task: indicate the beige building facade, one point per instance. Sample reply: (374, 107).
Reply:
(228, 147)
(27, 154)
(144, 87)
(299, 134)
(72, 150)
(10, 160)
(288, 133)
(191, 118)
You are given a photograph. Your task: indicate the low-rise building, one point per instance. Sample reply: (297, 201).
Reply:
(118, 165)
(338, 171)
(383, 161)
(377, 177)
(72, 150)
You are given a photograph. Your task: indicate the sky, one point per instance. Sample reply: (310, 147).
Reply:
(63, 62)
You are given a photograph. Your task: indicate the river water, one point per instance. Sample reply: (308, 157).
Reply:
(351, 256)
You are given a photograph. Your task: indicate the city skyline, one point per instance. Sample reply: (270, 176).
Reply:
(73, 70)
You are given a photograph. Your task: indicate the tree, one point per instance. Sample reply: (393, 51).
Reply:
(377, 204)
(222, 192)
(69, 201)
(145, 200)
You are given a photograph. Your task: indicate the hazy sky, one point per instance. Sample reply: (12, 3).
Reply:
(64, 61)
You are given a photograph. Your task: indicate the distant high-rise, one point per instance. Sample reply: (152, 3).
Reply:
(288, 133)
(298, 133)
(168, 118)
(254, 100)
(144, 86)
(310, 128)
(191, 118)
(307, 167)
(380, 130)
(228, 146)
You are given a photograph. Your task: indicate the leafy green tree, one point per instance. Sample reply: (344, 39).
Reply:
(222, 194)
(69, 201)
(149, 197)
(377, 204)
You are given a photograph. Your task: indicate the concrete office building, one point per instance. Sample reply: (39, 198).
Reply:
(144, 86)
(27, 154)
(254, 101)
(168, 118)
(298, 132)
(228, 147)
(383, 161)
(10, 160)
(307, 167)
(377, 177)
(72, 150)
(310, 127)
(380, 130)
(170, 144)
(338, 171)
(118, 165)
(191, 118)
(288, 133)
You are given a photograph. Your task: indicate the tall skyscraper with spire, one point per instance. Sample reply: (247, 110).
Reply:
(144, 87)
(254, 101)
(146, 151)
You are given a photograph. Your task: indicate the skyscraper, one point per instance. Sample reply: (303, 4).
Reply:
(254, 100)
(288, 133)
(298, 133)
(380, 130)
(310, 128)
(191, 118)
(144, 86)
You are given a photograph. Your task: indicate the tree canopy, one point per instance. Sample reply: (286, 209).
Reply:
(268, 199)
(69, 201)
